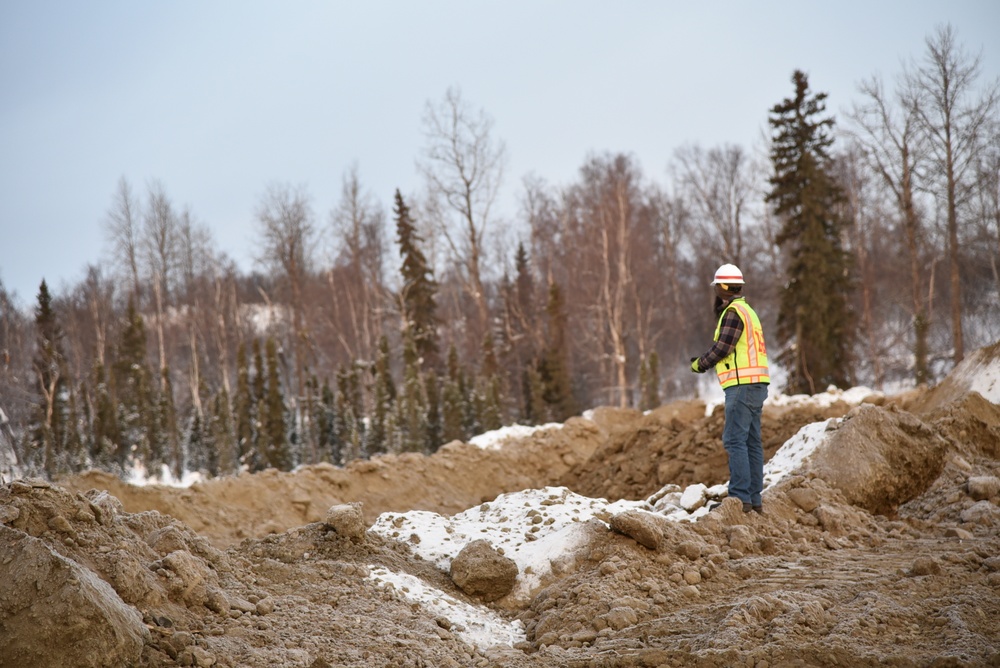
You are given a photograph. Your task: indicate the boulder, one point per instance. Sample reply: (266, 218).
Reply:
(479, 570)
(347, 520)
(641, 526)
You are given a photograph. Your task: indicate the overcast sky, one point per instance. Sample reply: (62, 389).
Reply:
(216, 100)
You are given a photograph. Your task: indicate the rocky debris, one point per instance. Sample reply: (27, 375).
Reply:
(481, 571)
(347, 520)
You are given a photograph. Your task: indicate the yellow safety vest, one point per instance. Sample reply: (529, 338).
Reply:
(747, 363)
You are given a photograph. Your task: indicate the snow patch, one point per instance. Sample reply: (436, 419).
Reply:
(476, 625)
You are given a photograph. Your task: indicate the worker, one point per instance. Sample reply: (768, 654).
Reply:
(739, 357)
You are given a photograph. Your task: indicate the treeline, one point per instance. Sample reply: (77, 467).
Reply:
(870, 247)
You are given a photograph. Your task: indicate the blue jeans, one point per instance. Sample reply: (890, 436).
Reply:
(741, 438)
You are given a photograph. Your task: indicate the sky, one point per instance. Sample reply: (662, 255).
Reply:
(217, 101)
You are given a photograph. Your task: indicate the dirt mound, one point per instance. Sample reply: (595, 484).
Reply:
(878, 546)
(678, 444)
(880, 458)
(459, 475)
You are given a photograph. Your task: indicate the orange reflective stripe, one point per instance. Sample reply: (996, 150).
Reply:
(752, 372)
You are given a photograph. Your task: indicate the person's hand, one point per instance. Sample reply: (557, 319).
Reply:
(694, 365)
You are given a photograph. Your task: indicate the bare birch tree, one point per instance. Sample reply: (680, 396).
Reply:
(195, 261)
(123, 227)
(887, 128)
(954, 118)
(160, 246)
(718, 185)
(463, 166)
(358, 226)
(287, 248)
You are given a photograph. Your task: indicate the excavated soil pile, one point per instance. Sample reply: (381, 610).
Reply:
(881, 548)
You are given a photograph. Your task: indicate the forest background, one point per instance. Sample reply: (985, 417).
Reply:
(870, 244)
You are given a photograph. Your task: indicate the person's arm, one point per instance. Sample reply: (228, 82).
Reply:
(730, 332)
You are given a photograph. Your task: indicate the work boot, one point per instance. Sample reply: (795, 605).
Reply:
(758, 509)
(747, 507)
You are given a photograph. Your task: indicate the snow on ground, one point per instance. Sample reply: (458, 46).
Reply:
(980, 374)
(494, 440)
(138, 476)
(476, 625)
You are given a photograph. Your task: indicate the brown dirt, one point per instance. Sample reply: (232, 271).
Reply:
(879, 551)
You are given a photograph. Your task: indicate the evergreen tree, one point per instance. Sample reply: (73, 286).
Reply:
(519, 301)
(327, 433)
(525, 284)
(383, 400)
(226, 450)
(490, 389)
(167, 432)
(814, 317)
(75, 451)
(133, 394)
(200, 455)
(419, 288)
(534, 410)
(105, 434)
(411, 406)
(434, 427)
(276, 447)
(453, 414)
(348, 418)
(554, 364)
(49, 421)
(244, 412)
(258, 391)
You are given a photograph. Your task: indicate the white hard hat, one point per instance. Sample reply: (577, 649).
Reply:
(728, 273)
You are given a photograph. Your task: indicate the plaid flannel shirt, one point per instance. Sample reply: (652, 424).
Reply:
(730, 332)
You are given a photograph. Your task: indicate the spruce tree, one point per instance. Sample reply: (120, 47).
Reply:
(226, 450)
(534, 410)
(328, 441)
(434, 427)
(167, 431)
(105, 434)
(419, 288)
(815, 324)
(50, 414)
(554, 364)
(384, 399)
(133, 393)
(258, 390)
(453, 415)
(244, 405)
(196, 441)
(276, 447)
(490, 389)
(348, 418)
(73, 445)
(411, 406)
